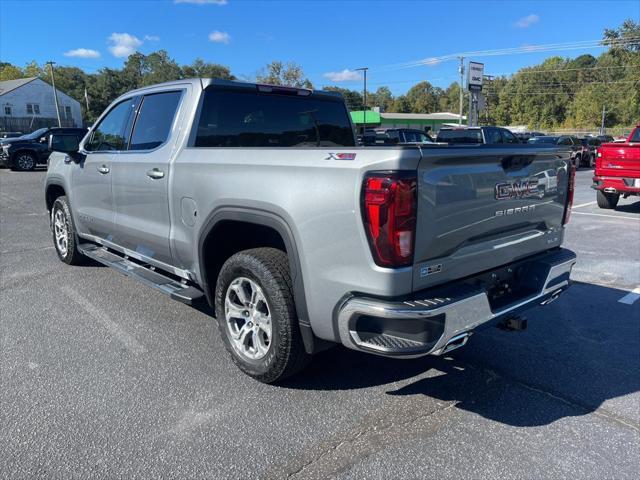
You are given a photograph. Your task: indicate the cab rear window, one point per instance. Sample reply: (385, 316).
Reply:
(249, 118)
(460, 136)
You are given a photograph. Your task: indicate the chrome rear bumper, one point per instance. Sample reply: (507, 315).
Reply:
(439, 320)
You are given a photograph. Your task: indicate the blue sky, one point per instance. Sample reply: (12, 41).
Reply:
(328, 38)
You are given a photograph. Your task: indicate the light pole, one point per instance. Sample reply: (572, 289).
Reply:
(364, 112)
(55, 92)
(461, 72)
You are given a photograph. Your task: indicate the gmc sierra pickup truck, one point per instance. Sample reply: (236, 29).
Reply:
(257, 198)
(617, 170)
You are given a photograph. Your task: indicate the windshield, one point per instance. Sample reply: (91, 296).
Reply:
(542, 140)
(33, 135)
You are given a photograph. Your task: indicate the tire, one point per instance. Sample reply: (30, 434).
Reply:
(607, 200)
(62, 224)
(270, 310)
(25, 161)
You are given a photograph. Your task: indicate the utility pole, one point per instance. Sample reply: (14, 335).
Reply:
(461, 72)
(604, 112)
(364, 113)
(55, 92)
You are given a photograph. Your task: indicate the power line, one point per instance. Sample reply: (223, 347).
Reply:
(512, 51)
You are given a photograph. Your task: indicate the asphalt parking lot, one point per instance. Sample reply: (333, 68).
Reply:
(103, 377)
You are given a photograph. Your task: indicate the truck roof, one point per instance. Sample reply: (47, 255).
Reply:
(206, 82)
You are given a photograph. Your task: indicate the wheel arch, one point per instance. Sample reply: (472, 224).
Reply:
(226, 219)
(52, 191)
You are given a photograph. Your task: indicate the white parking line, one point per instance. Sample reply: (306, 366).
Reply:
(583, 204)
(631, 297)
(116, 330)
(603, 215)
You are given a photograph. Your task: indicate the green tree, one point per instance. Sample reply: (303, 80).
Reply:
(288, 75)
(423, 98)
(32, 69)
(352, 98)
(10, 72)
(200, 68)
(382, 98)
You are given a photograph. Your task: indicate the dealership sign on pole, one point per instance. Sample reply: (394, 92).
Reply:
(474, 78)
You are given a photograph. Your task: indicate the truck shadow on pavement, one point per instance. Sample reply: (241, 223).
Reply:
(629, 208)
(577, 353)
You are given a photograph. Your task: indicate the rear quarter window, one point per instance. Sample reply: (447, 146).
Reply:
(239, 118)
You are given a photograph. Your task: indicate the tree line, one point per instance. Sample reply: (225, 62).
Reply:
(558, 93)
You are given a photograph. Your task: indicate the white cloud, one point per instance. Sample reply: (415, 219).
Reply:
(343, 76)
(151, 38)
(82, 53)
(219, 37)
(123, 44)
(202, 2)
(526, 22)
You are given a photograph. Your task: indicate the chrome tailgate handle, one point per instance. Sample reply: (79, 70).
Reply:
(155, 173)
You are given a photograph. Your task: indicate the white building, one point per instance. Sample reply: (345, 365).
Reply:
(27, 104)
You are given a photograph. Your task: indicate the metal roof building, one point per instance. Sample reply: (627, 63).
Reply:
(404, 120)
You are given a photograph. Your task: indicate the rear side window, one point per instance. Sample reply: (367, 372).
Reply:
(461, 136)
(155, 117)
(235, 118)
(508, 137)
(636, 136)
(492, 136)
(109, 134)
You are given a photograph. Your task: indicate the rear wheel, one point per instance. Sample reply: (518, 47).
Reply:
(256, 315)
(607, 200)
(25, 161)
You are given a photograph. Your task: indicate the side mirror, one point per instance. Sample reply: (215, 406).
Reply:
(64, 143)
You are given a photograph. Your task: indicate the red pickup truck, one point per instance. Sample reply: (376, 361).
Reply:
(617, 170)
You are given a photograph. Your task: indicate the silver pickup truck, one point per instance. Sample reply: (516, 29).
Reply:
(257, 199)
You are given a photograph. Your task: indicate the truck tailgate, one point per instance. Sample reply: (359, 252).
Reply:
(618, 160)
(483, 207)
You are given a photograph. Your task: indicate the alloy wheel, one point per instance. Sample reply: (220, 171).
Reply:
(248, 318)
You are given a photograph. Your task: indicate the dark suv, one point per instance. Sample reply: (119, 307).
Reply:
(476, 136)
(24, 153)
(574, 143)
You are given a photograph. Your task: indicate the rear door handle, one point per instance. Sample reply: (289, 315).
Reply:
(103, 169)
(155, 174)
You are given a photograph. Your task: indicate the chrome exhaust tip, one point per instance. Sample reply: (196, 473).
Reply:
(554, 296)
(456, 341)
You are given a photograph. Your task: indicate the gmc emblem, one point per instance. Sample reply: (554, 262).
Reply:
(522, 188)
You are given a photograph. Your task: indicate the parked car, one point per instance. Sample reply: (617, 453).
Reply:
(476, 135)
(394, 136)
(525, 136)
(573, 143)
(308, 240)
(605, 138)
(617, 170)
(28, 151)
(588, 153)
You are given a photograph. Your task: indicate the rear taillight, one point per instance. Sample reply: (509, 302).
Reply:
(389, 214)
(571, 186)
